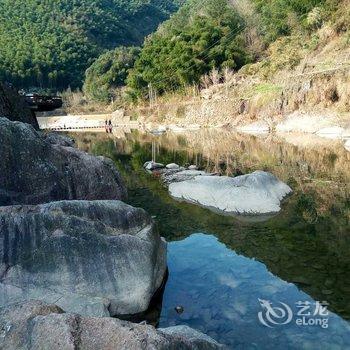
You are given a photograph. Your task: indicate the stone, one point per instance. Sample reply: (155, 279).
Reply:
(191, 334)
(193, 167)
(35, 325)
(13, 106)
(159, 130)
(259, 193)
(96, 258)
(347, 145)
(36, 168)
(173, 166)
(179, 309)
(151, 165)
(171, 176)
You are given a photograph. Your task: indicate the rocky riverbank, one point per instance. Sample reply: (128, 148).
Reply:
(311, 96)
(67, 239)
(36, 325)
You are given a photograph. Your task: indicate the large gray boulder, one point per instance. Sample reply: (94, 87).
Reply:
(100, 258)
(13, 106)
(36, 168)
(259, 193)
(35, 325)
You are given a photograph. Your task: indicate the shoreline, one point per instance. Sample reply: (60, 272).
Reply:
(296, 124)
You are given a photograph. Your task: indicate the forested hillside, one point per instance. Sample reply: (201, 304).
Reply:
(51, 43)
(109, 73)
(224, 34)
(297, 54)
(201, 36)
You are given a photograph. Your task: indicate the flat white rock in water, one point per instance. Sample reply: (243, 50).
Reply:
(258, 193)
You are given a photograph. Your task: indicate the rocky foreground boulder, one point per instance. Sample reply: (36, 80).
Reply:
(36, 168)
(100, 258)
(259, 193)
(39, 326)
(13, 107)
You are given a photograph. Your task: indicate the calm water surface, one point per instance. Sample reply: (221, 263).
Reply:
(225, 272)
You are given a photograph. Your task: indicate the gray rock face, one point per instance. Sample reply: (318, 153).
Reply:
(39, 326)
(258, 193)
(36, 169)
(12, 106)
(97, 258)
(170, 176)
(203, 340)
(58, 139)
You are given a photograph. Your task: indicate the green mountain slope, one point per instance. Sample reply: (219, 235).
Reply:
(220, 34)
(201, 36)
(51, 43)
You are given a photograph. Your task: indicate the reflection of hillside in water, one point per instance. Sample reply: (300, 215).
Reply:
(304, 154)
(307, 244)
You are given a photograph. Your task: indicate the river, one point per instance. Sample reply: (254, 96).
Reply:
(281, 283)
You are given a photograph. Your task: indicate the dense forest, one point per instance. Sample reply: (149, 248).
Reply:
(203, 35)
(207, 34)
(105, 77)
(51, 43)
(280, 17)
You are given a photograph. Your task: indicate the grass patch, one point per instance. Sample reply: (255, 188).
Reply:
(265, 88)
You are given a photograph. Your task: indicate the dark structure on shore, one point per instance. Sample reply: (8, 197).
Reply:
(14, 107)
(22, 108)
(41, 103)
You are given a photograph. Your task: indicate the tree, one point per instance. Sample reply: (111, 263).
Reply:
(276, 15)
(108, 73)
(51, 43)
(200, 37)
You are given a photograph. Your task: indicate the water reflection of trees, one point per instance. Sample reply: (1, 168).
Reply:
(307, 244)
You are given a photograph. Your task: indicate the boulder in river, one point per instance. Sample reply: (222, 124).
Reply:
(36, 168)
(100, 258)
(259, 193)
(35, 325)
